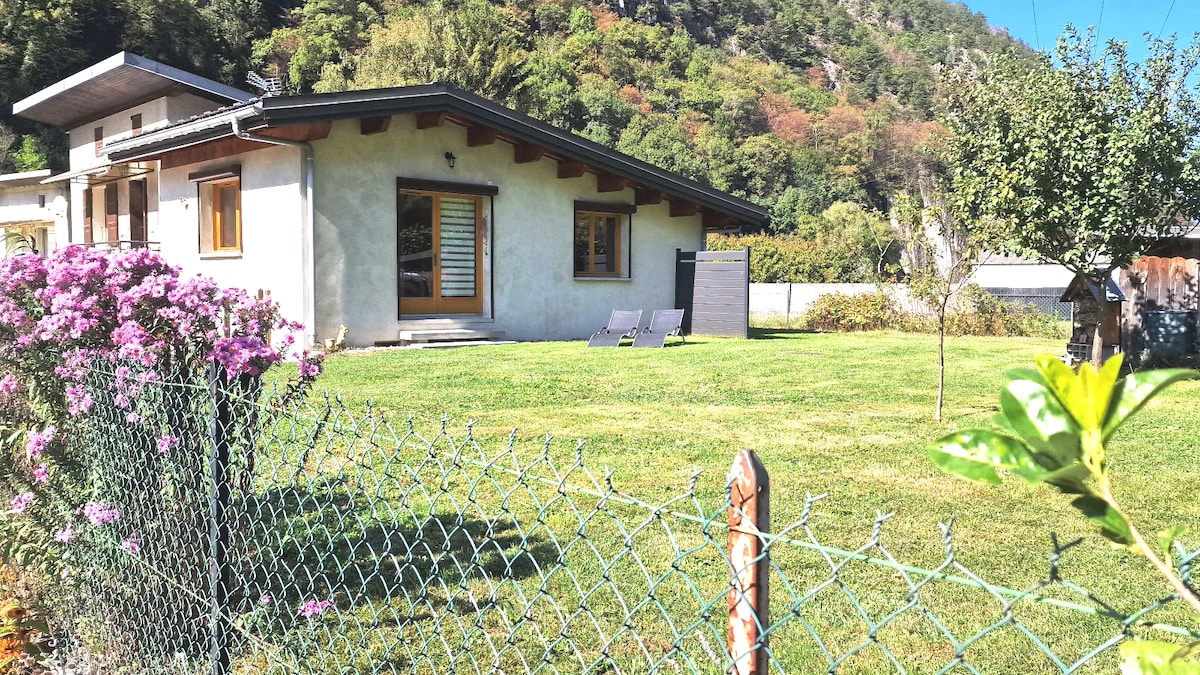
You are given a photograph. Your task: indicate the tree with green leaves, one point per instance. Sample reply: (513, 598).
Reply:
(1086, 162)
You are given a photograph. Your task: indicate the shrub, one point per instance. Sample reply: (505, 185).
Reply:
(839, 312)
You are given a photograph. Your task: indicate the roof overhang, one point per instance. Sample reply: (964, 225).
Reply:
(98, 175)
(116, 83)
(25, 179)
(461, 106)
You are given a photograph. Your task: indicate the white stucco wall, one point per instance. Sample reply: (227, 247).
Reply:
(271, 226)
(1022, 275)
(20, 211)
(533, 294)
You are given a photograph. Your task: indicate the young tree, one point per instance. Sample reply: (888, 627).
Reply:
(1087, 162)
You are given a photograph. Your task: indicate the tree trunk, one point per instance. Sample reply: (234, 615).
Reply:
(1098, 344)
(941, 389)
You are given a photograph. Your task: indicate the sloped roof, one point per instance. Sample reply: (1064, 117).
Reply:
(462, 106)
(116, 83)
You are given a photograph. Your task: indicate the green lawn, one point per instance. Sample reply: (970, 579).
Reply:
(843, 415)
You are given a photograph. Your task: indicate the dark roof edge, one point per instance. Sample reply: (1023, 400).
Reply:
(448, 98)
(118, 60)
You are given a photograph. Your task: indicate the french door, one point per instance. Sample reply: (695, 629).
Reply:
(438, 243)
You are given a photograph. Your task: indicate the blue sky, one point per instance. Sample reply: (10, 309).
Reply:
(1120, 19)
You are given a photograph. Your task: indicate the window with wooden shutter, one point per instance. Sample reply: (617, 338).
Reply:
(110, 213)
(88, 207)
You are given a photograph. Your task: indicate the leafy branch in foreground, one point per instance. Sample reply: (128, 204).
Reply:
(1054, 426)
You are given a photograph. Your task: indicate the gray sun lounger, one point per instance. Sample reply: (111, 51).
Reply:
(664, 322)
(622, 324)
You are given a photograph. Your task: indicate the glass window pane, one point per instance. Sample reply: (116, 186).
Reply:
(227, 210)
(414, 246)
(583, 245)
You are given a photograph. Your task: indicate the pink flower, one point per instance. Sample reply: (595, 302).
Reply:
(78, 401)
(310, 363)
(167, 443)
(101, 513)
(41, 474)
(37, 441)
(8, 385)
(314, 608)
(65, 535)
(22, 502)
(266, 599)
(132, 543)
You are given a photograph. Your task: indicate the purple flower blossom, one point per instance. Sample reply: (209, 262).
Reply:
(78, 401)
(22, 502)
(167, 443)
(41, 474)
(310, 363)
(65, 535)
(314, 608)
(37, 441)
(8, 385)
(101, 513)
(132, 543)
(266, 599)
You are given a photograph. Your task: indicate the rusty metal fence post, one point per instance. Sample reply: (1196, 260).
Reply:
(749, 560)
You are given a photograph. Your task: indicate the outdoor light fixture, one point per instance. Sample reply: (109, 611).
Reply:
(450, 158)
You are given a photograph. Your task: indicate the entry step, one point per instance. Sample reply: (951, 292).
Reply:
(433, 337)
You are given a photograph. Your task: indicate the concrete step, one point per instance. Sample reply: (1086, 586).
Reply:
(449, 334)
(452, 344)
(447, 337)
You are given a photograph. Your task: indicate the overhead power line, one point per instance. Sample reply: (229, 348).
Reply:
(1165, 18)
(1036, 37)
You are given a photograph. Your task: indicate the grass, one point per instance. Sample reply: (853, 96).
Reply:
(847, 416)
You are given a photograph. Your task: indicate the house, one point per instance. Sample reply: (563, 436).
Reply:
(34, 206)
(383, 210)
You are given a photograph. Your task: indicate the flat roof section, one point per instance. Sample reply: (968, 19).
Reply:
(118, 82)
(24, 178)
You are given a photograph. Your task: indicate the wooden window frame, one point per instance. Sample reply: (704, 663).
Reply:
(213, 189)
(622, 220)
(89, 206)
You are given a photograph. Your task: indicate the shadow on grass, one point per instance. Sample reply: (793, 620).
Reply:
(385, 564)
(778, 333)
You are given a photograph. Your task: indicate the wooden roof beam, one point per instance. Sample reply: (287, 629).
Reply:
(646, 196)
(682, 208)
(606, 182)
(716, 221)
(571, 169)
(429, 120)
(374, 125)
(477, 136)
(523, 153)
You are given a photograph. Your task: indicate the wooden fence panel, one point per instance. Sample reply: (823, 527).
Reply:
(713, 289)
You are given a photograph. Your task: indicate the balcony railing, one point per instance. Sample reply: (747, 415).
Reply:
(122, 244)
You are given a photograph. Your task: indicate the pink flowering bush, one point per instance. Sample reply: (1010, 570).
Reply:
(146, 328)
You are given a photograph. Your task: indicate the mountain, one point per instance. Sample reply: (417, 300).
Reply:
(794, 104)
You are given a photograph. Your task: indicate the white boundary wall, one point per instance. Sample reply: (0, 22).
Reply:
(792, 300)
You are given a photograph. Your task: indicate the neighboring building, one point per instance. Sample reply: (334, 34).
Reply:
(36, 207)
(399, 209)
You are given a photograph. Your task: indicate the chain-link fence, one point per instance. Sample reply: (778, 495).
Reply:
(228, 530)
(1044, 300)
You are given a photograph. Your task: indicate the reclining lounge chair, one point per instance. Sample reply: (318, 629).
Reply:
(622, 324)
(664, 322)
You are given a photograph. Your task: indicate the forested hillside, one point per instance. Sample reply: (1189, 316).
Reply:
(795, 104)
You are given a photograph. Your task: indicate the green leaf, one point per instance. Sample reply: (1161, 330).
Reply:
(1166, 539)
(1112, 522)
(1070, 388)
(975, 454)
(1041, 421)
(1146, 657)
(1135, 390)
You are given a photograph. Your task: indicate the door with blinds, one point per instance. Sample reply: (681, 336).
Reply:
(438, 243)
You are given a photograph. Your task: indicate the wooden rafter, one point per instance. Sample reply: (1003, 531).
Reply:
(299, 132)
(646, 196)
(606, 182)
(682, 208)
(374, 125)
(477, 136)
(523, 153)
(571, 169)
(429, 120)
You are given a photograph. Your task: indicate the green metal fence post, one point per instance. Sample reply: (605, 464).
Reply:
(749, 515)
(218, 505)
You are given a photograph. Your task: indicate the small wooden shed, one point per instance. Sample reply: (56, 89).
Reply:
(1091, 304)
(1161, 323)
